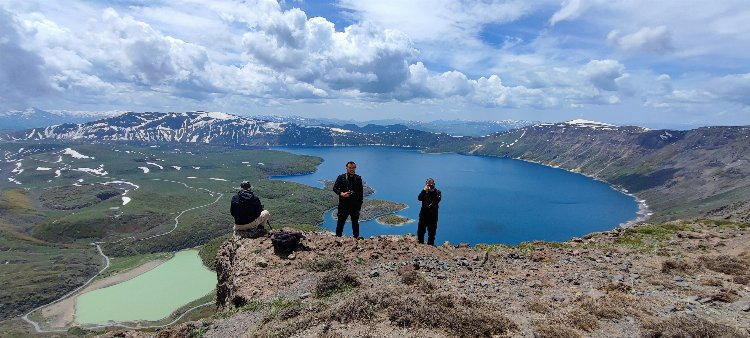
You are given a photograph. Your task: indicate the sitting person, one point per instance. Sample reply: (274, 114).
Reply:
(247, 210)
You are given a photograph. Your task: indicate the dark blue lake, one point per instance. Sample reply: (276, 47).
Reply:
(485, 199)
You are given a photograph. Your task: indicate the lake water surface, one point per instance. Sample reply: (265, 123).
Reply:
(485, 199)
(151, 296)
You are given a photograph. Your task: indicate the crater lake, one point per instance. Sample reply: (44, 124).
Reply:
(484, 199)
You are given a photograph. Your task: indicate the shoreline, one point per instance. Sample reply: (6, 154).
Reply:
(62, 314)
(408, 220)
(642, 214)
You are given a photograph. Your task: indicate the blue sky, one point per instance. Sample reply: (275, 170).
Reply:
(664, 63)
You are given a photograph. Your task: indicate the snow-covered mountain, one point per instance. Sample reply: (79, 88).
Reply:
(450, 127)
(36, 118)
(220, 128)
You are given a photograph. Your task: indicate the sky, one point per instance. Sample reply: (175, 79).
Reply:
(637, 62)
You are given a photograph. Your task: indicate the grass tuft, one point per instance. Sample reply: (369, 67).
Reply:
(688, 326)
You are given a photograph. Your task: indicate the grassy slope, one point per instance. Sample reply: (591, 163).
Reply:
(32, 232)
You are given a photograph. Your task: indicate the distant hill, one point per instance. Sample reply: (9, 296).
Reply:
(226, 129)
(36, 118)
(699, 172)
(450, 127)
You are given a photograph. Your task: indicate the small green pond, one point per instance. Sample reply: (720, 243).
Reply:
(151, 296)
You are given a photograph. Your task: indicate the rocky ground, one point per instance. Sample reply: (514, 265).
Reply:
(679, 279)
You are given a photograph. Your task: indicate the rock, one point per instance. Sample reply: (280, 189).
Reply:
(305, 295)
(405, 269)
(618, 278)
(558, 298)
(705, 300)
(678, 279)
(745, 306)
(261, 262)
(669, 308)
(291, 256)
(463, 245)
(374, 273)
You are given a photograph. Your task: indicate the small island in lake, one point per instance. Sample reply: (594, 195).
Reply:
(375, 208)
(393, 220)
(367, 190)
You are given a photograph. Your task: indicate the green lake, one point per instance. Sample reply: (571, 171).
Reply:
(151, 296)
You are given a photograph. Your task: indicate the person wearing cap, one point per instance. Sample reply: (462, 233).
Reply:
(428, 214)
(350, 189)
(247, 210)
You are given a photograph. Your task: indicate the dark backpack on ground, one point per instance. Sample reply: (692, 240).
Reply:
(285, 241)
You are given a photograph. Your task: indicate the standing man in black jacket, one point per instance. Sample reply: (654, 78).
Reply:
(350, 190)
(428, 214)
(247, 210)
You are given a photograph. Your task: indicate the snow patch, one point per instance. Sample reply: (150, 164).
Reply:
(177, 167)
(191, 177)
(125, 200)
(99, 171)
(145, 169)
(74, 154)
(217, 179)
(58, 173)
(220, 116)
(156, 165)
(339, 130)
(13, 180)
(590, 124)
(43, 168)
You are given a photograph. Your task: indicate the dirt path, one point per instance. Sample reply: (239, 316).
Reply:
(62, 314)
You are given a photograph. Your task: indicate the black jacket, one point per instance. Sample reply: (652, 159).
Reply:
(245, 207)
(343, 184)
(430, 201)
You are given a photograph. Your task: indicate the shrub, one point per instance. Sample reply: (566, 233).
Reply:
(554, 330)
(612, 306)
(416, 279)
(582, 320)
(681, 266)
(323, 264)
(335, 281)
(688, 326)
(539, 306)
(725, 264)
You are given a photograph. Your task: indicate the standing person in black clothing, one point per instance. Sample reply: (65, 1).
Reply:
(428, 214)
(350, 190)
(247, 210)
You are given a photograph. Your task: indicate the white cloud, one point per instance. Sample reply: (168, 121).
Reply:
(22, 71)
(733, 88)
(604, 73)
(239, 56)
(570, 9)
(650, 39)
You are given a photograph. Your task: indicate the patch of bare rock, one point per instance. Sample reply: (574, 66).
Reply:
(684, 279)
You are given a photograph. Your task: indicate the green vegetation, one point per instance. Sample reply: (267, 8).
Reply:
(375, 208)
(394, 220)
(32, 273)
(209, 250)
(49, 220)
(122, 264)
(649, 237)
(335, 281)
(76, 197)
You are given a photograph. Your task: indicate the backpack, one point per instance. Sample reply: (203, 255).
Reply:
(285, 241)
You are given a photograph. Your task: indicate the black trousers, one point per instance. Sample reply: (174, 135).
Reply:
(343, 214)
(427, 222)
